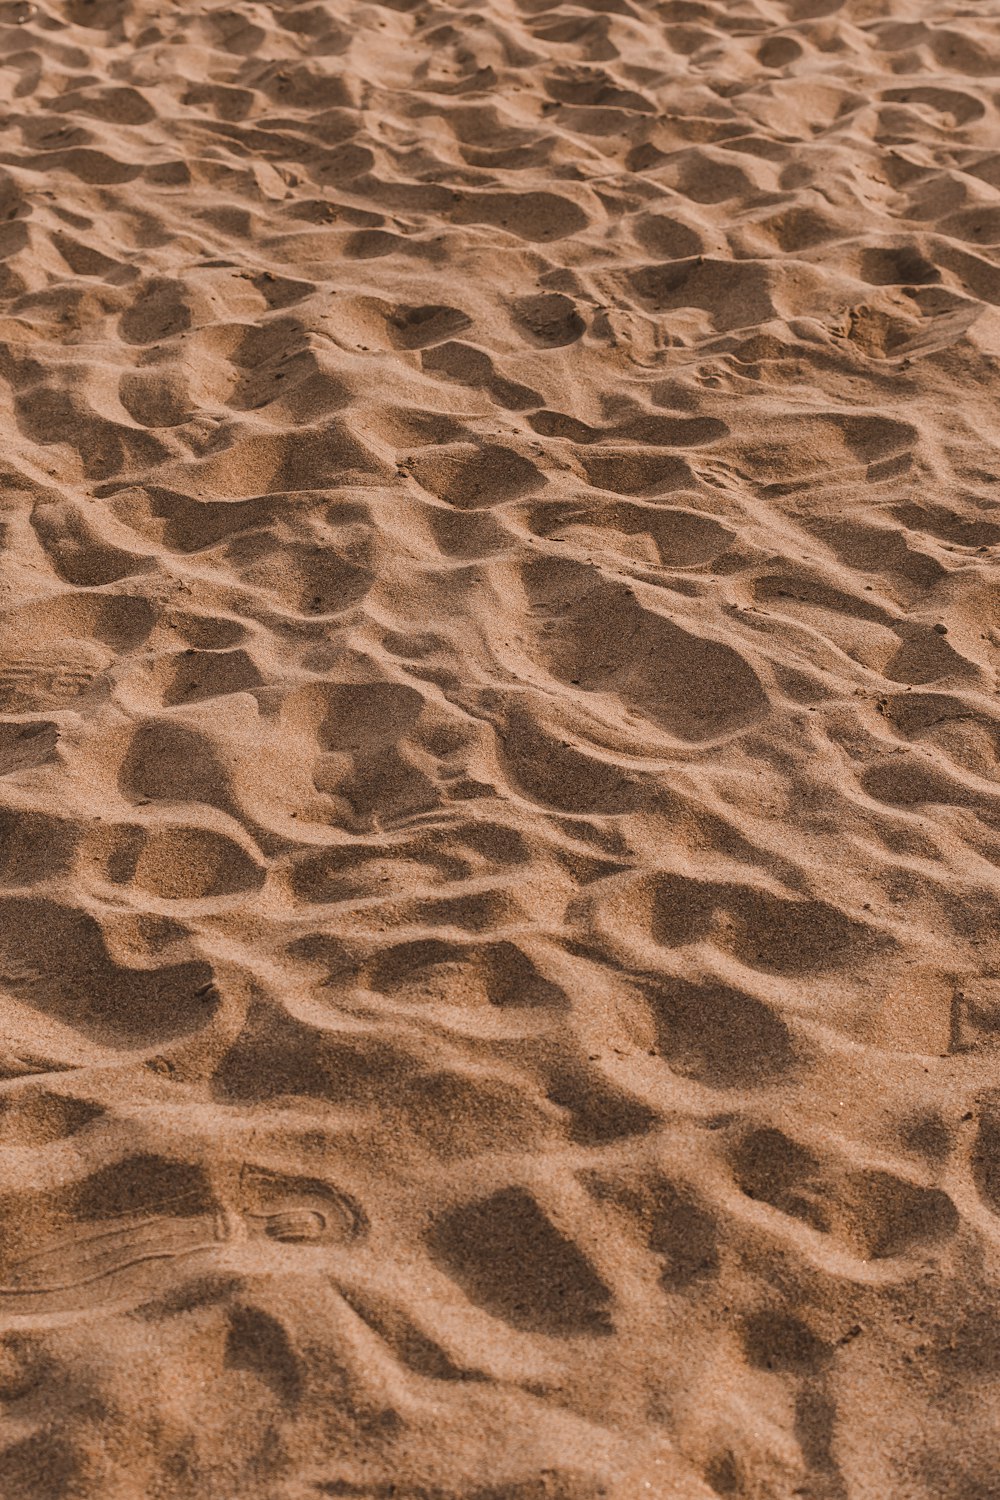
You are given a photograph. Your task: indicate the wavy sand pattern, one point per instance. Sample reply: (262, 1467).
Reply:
(500, 860)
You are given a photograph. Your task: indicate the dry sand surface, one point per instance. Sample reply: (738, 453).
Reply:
(499, 816)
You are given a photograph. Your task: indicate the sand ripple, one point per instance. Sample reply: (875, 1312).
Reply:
(499, 814)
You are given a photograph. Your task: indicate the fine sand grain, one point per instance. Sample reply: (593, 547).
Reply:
(499, 814)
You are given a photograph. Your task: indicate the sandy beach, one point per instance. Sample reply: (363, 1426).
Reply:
(499, 732)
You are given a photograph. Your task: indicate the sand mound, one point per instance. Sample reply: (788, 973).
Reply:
(499, 814)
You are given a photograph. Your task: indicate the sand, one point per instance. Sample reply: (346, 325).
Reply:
(500, 859)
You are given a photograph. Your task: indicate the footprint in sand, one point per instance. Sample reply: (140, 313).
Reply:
(116, 1227)
(49, 676)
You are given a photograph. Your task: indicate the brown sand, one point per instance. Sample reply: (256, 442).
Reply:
(501, 828)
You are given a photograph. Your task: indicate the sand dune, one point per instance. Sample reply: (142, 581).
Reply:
(500, 859)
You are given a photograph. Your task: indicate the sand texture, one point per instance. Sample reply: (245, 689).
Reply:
(499, 728)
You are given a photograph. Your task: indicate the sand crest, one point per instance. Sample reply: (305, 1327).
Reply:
(499, 814)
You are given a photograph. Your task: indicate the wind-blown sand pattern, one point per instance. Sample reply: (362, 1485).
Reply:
(499, 965)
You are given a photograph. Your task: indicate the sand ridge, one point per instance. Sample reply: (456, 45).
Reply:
(499, 822)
